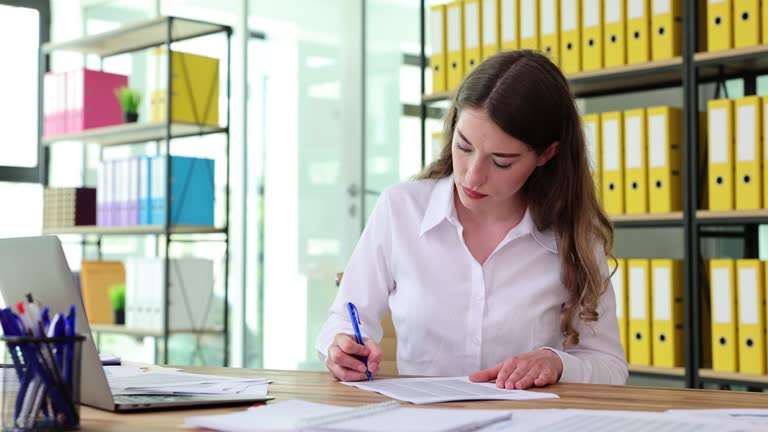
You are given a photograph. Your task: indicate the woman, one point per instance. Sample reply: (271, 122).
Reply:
(493, 262)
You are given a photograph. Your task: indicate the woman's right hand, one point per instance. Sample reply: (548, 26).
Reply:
(344, 358)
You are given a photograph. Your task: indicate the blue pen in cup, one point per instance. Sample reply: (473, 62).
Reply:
(355, 317)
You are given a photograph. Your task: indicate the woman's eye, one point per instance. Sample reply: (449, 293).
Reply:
(502, 166)
(462, 148)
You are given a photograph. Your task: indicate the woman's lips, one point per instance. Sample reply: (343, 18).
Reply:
(472, 194)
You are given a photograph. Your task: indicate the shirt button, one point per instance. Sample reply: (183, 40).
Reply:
(477, 341)
(479, 298)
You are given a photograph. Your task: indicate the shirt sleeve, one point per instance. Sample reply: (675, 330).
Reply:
(367, 281)
(599, 356)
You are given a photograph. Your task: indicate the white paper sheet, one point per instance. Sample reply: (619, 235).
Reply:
(432, 390)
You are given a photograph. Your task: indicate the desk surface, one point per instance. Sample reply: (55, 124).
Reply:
(320, 387)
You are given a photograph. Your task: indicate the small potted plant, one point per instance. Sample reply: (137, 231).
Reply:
(117, 298)
(129, 100)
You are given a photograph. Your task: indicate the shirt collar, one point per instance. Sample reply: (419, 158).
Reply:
(441, 207)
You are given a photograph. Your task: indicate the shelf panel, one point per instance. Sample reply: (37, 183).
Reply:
(709, 375)
(619, 79)
(133, 230)
(676, 372)
(733, 61)
(121, 329)
(651, 220)
(732, 217)
(137, 36)
(131, 133)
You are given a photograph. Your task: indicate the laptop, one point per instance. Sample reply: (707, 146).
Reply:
(37, 265)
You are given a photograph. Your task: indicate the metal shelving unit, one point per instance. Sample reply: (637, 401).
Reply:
(688, 71)
(157, 32)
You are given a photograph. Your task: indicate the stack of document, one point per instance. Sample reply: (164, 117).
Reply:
(132, 380)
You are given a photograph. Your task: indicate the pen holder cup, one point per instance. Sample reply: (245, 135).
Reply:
(41, 383)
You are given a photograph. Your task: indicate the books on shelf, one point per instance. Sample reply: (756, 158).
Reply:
(133, 191)
(68, 207)
(80, 99)
(190, 287)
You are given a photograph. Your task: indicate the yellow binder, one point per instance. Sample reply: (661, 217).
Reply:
(748, 142)
(592, 35)
(612, 140)
(619, 283)
(746, 23)
(751, 301)
(665, 142)
(638, 281)
(764, 129)
(509, 18)
(194, 89)
(615, 44)
(491, 28)
(721, 169)
(724, 319)
(473, 31)
(455, 43)
(529, 24)
(635, 162)
(719, 25)
(592, 137)
(667, 312)
(570, 36)
(638, 31)
(764, 20)
(437, 61)
(666, 29)
(549, 29)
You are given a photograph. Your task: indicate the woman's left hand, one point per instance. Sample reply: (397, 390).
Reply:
(536, 368)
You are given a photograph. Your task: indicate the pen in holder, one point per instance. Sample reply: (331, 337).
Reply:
(41, 382)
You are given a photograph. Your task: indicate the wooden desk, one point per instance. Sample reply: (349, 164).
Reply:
(320, 387)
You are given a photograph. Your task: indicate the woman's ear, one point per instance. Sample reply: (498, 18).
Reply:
(548, 154)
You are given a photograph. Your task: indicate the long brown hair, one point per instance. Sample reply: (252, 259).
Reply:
(528, 97)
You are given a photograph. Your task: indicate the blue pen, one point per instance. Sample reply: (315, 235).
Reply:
(355, 317)
(70, 358)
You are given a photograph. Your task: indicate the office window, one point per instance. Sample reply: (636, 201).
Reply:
(19, 87)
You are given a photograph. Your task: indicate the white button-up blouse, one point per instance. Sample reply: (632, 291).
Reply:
(454, 316)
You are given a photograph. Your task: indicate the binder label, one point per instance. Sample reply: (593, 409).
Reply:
(548, 24)
(527, 19)
(637, 300)
(471, 35)
(745, 133)
(662, 294)
(657, 132)
(508, 20)
(617, 280)
(437, 31)
(748, 296)
(454, 28)
(635, 9)
(611, 145)
(568, 15)
(660, 7)
(716, 1)
(489, 22)
(591, 13)
(590, 138)
(721, 289)
(633, 142)
(718, 136)
(612, 12)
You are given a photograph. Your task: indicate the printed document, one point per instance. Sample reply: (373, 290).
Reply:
(445, 389)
